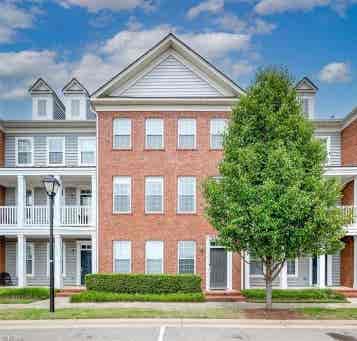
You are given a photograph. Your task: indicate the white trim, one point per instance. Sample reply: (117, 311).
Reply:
(354, 262)
(32, 248)
(310, 271)
(62, 139)
(147, 107)
(163, 254)
(178, 255)
(130, 252)
(155, 179)
(162, 134)
(30, 138)
(83, 138)
(246, 270)
(130, 182)
(296, 274)
(194, 193)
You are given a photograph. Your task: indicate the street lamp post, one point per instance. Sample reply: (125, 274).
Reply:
(51, 185)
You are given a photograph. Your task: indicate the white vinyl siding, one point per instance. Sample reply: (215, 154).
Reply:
(154, 257)
(325, 140)
(154, 193)
(186, 201)
(186, 133)
(55, 147)
(217, 129)
(30, 261)
(24, 151)
(122, 194)
(186, 256)
(122, 256)
(154, 133)
(87, 147)
(122, 133)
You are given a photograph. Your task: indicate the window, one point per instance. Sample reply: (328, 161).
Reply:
(122, 133)
(186, 194)
(154, 253)
(42, 107)
(256, 266)
(75, 108)
(55, 150)
(186, 133)
(154, 130)
(87, 146)
(325, 140)
(292, 267)
(24, 151)
(217, 129)
(30, 254)
(186, 256)
(122, 194)
(154, 188)
(122, 256)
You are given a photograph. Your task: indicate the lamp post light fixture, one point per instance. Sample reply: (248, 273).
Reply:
(51, 185)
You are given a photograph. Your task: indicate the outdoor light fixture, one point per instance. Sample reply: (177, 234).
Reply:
(51, 185)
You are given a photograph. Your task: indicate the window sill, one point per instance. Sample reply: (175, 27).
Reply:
(122, 213)
(122, 149)
(154, 150)
(186, 149)
(186, 213)
(155, 213)
(216, 149)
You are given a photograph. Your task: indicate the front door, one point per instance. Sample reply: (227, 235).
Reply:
(218, 268)
(85, 261)
(314, 270)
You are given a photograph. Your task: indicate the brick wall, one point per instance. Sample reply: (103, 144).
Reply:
(347, 267)
(349, 145)
(347, 194)
(170, 163)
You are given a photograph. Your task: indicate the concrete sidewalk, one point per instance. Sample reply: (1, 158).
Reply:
(63, 302)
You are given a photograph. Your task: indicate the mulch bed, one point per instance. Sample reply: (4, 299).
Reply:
(275, 314)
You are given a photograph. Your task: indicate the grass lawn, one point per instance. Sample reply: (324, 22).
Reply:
(296, 296)
(329, 314)
(22, 295)
(101, 296)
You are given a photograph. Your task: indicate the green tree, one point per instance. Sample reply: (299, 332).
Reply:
(272, 200)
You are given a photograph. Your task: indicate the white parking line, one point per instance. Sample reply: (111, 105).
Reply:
(161, 333)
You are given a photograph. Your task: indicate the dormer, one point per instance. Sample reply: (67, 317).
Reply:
(76, 100)
(45, 103)
(307, 90)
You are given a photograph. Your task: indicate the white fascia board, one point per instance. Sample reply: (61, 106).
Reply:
(340, 171)
(47, 170)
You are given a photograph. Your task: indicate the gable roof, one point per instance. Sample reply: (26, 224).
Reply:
(74, 86)
(306, 85)
(184, 51)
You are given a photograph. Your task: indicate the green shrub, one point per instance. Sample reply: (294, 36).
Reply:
(327, 295)
(143, 284)
(39, 293)
(102, 296)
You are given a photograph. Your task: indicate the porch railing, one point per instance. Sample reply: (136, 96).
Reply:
(37, 215)
(8, 215)
(350, 214)
(75, 215)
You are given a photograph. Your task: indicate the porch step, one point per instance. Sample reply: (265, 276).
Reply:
(68, 292)
(348, 292)
(224, 296)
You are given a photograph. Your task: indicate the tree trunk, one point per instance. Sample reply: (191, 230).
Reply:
(268, 293)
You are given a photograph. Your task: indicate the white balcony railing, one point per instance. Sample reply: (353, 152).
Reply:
(75, 215)
(37, 215)
(8, 215)
(350, 213)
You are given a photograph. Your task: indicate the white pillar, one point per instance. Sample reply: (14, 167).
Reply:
(354, 262)
(329, 270)
(20, 260)
(94, 252)
(246, 271)
(321, 270)
(57, 204)
(58, 261)
(93, 209)
(284, 276)
(21, 200)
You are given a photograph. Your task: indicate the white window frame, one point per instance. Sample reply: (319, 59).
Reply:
(162, 133)
(29, 138)
(123, 178)
(211, 131)
(131, 133)
(62, 138)
(83, 138)
(328, 146)
(155, 179)
(178, 255)
(42, 100)
(115, 242)
(162, 254)
(32, 248)
(178, 133)
(77, 117)
(296, 274)
(194, 193)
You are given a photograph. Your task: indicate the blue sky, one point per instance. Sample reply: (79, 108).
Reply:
(95, 39)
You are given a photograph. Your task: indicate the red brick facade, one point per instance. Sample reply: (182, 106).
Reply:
(347, 266)
(170, 163)
(349, 145)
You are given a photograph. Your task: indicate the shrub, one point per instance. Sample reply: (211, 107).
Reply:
(143, 284)
(101, 296)
(40, 293)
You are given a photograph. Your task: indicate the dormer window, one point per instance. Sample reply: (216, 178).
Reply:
(42, 107)
(75, 108)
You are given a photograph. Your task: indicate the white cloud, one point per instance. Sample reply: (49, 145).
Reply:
(211, 6)
(336, 72)
(113, 5)
(13, 18)
(265, 7)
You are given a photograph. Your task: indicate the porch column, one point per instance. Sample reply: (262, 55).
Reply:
(93, 209)
(58, 261)
(246, 271)
(354, 263)
(321, 271)
(329, 270)
(20, 260)
(94, 252)
(57, 204)
(284, 276)
(21, 200)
